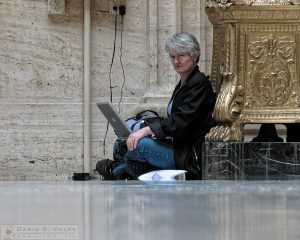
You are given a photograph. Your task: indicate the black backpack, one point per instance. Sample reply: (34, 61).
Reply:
(142, 119)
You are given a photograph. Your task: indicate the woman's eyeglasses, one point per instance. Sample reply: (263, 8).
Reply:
(179, 57)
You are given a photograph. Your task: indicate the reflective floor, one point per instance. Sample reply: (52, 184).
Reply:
(206, 210)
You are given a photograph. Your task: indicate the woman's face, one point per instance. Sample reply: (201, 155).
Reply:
(183, 63)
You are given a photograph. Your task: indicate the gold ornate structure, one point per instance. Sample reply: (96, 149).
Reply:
(255, 65)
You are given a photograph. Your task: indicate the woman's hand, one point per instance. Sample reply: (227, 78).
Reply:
(133, 138)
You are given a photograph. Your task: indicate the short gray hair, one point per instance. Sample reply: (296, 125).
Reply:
(183, 42)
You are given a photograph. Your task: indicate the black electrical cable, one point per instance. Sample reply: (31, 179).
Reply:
(123, 72)
(112, 59)
(102, 11)
(110, 83)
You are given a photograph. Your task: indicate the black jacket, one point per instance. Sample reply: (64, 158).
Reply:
(191, 119)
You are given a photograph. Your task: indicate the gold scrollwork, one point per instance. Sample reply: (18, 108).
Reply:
(230, 99)
(224, 134)
(219, 3)
(227, 3)
(271, 64)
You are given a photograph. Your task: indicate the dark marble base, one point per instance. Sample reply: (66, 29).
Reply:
(251, 161)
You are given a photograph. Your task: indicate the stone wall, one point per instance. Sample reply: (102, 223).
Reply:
(41, 75)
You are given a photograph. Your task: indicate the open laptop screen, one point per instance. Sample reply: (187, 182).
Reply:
(115, 119)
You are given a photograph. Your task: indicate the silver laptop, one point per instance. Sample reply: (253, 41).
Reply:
(115, 119)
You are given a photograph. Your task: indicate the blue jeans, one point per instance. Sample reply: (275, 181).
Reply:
(150, 151)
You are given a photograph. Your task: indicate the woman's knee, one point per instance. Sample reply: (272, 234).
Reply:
(143, 143)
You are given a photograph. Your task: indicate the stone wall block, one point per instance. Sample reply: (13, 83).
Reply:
(41, 149)
(41, 76)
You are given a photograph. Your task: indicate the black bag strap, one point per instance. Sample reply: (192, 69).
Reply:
(140, 114)
(134, 118)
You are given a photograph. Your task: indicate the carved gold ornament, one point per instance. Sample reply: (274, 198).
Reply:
(227, 3)
(255, 64)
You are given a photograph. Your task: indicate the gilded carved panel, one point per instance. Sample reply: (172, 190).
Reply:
(255, 65)
(270, 71)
